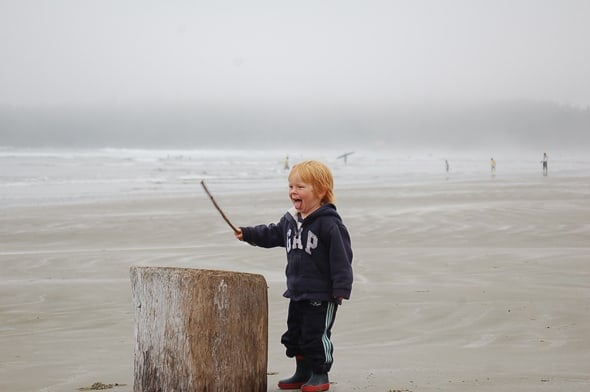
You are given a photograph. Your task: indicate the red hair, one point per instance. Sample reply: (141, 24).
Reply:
(318, 175)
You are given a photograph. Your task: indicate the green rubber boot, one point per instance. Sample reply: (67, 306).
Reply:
(301, 376)
(318, 382)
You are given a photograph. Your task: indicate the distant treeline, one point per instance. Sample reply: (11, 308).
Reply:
(526, 124)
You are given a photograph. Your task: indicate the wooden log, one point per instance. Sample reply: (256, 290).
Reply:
(199, 330)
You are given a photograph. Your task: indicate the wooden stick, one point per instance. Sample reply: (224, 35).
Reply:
(219, 208)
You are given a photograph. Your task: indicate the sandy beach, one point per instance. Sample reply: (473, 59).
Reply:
(478, 285)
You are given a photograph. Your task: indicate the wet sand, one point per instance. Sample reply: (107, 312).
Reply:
(459, 285)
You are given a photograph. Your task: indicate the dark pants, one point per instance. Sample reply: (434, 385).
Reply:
(309, 327)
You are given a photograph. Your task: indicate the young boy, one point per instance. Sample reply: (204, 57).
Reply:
(319, 271)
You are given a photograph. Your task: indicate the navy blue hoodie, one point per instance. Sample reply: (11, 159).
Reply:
(319, 255)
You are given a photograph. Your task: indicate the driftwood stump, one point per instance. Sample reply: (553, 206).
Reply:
(199, 330)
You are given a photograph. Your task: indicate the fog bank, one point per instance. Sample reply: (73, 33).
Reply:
(514, 125)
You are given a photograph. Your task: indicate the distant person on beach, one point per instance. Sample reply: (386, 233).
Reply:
(447, 165)
(493, 165)
(545, 161)
(286, 167)
(319, 271)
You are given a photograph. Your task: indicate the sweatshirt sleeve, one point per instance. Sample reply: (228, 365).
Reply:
(340, 261)
(266, 236)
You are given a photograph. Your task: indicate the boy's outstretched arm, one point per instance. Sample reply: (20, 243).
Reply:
(265, 236)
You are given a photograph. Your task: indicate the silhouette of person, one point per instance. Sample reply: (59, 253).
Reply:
(493, 165)
(544, 161)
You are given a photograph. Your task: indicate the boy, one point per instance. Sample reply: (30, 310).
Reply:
(319, 271)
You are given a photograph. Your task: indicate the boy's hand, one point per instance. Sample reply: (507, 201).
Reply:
(339, 300)
(239, 235)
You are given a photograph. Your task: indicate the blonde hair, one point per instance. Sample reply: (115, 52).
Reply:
(318, 175)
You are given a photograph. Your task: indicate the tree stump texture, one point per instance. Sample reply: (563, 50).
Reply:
(199, 330)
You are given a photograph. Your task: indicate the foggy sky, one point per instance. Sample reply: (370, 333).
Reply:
(297, 54)
(72, 51)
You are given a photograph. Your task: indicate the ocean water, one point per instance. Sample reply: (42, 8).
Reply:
(60, 176)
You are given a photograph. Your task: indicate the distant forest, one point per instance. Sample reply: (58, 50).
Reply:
(518, 124)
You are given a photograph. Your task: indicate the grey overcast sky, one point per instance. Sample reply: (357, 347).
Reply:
(139, 51)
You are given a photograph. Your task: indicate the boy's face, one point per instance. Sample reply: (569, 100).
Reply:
(303, 196)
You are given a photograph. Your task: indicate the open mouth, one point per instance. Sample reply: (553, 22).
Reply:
(296, 203)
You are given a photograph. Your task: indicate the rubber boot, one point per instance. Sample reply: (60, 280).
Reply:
(301, 376)
(317, 382)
